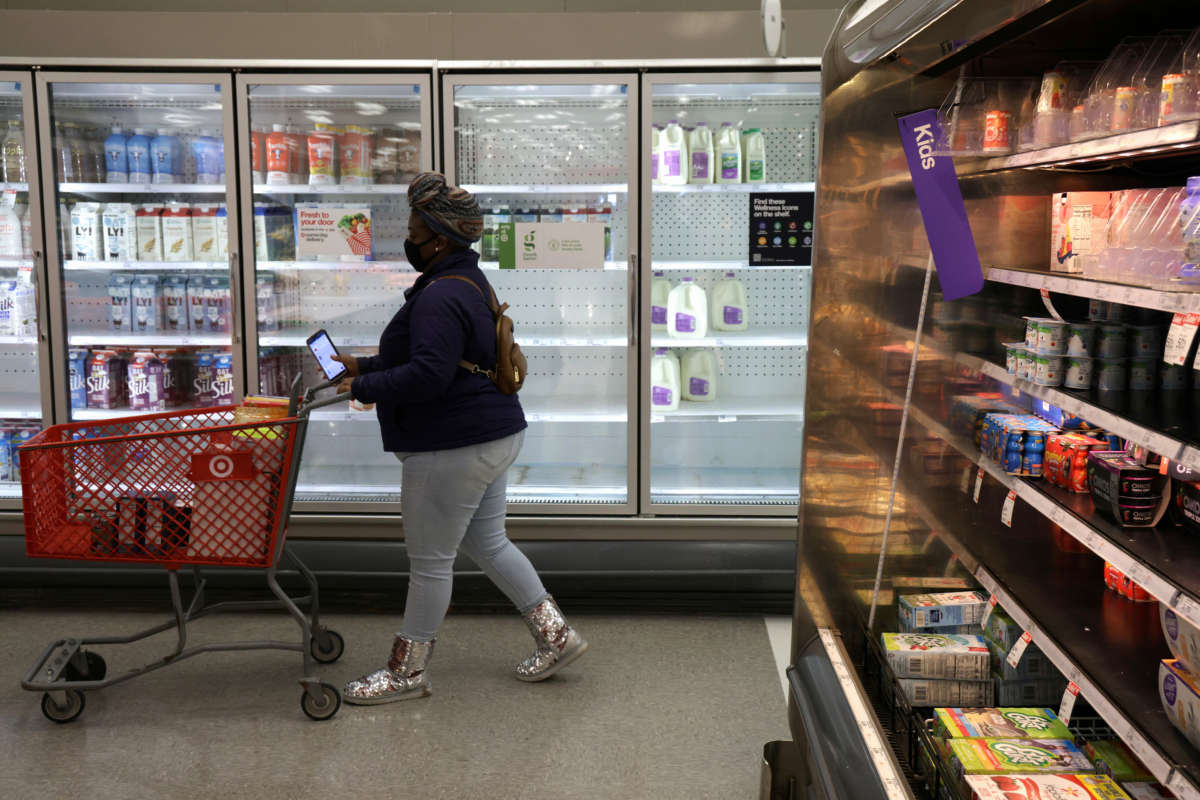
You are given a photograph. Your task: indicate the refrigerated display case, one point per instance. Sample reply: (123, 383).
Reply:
(925, 472)
(25, 399)
(722, 409)
(560, 150)
(325, 165)
(142, 261)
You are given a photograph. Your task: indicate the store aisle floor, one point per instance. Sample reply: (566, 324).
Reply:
(661, 707)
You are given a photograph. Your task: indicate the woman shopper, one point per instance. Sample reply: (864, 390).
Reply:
(456, 434)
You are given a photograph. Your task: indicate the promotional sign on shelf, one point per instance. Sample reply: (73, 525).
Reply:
(781, 229)
(941, 203)
(551, 245)
(325, 232)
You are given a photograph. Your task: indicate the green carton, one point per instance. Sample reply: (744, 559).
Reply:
(1114, 758)
(1015, 756)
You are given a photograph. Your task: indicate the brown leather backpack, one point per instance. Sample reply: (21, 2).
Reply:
(509, 374)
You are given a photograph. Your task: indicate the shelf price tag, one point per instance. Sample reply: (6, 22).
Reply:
(1006, 511)
(1018, 649)
(987, 612)
(978, 484)
(1179, 338)
(965, 485)
(8, 199)
(1068, 703)
(1050, 306)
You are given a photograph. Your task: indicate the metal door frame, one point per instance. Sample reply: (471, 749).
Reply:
(497, 77)
(25, 84)
(243, 83)
(805, 73)
(54, 259)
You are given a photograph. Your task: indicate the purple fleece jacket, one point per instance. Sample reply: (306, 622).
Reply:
(424, 399)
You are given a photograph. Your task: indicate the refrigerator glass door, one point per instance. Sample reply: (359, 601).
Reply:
(24, 406)
(730, 163)
(136, 186)
(326, 165)
(551, 160)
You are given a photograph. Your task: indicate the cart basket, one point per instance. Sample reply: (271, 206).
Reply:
(181, 487)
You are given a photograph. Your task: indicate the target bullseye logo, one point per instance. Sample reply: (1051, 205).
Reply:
(222, 467)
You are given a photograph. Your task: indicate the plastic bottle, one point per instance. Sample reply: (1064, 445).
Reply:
(660, 291)
(655, 152)
(687, 311)
(664, 381)
(699, 376)
(298, 147)
(165, 157)
(674, 155)
(279, 157)
(756, 156)
(728, 308)
(700, 146)
(94, 150)
(13, 147)
(77, 152)
(116, 159)
(137, 150)
(729, 154)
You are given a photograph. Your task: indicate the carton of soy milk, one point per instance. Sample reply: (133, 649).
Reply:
(144, 378)
(202, 380)
(106, 380)
(223, 379)
(77, 367)
(120, 232)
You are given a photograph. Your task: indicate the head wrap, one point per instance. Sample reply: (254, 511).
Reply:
(448, 210)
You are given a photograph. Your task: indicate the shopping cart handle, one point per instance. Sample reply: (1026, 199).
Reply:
(300, 399)
(310, 405)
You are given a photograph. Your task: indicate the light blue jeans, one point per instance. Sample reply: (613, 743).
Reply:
(453, 500)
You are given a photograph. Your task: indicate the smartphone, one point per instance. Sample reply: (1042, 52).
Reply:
(322, 347)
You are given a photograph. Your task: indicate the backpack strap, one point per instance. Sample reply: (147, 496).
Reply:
(493, 306)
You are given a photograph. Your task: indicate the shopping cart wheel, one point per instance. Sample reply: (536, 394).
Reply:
(326, 707)
(96, 668)
(336, 645)
(64, 713)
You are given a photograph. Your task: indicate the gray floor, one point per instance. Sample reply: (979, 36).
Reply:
(661, 707)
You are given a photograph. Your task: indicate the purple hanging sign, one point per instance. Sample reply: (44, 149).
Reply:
(942, 209)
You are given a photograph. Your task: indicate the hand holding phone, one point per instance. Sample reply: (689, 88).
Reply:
(323, 349)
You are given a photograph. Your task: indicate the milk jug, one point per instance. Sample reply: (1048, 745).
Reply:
(660, 291)
(698, 376)
(655, 152)
(687, 311)
(756, 156)
(729, 154)
(664, 381)
(728, 310)
(674, 155)
(700, 147)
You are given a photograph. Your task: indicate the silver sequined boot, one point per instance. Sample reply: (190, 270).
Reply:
(402, 679)
(558, 644)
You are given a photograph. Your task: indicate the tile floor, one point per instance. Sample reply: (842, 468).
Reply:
(661, 707)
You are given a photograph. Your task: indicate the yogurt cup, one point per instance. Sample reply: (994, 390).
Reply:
(1104, 311)
(1138, 513)
(1112, 341)
(1031, 332)
(1051, 337)
(1145, 341)
(1173, 377)
(1142, 373)
(1111, 375)
(1048, 370)
(1081, 339)
(1078, 374)
(1025, 365)
(1011, 363)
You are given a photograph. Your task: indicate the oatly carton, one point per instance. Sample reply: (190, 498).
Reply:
(223, 379)
(217, 304)
(144, 377)
(924, 655)
(120, 232)
(944, 609)
(77, 368)
(1043, 787)
(196, 303)
(174, 301)
(146, 305)
(999, 723)
(106, 380)
(120, 302)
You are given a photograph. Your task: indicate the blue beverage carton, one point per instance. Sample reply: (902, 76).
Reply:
(223, 379)
(940, 610)
(6, 470)
(77, 369)
(19, 437)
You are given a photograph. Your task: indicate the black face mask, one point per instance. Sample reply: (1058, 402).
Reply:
(412, 251)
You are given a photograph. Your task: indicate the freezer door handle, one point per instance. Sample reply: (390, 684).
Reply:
(36, 279)
(235, 280)
(634, 277)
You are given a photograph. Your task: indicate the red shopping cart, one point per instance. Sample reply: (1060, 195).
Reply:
(179, 489)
